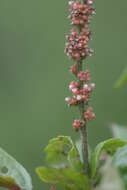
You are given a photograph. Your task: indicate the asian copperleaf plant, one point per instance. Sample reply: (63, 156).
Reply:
(67, 167)
(71, 166)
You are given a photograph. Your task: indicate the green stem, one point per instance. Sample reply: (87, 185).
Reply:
(83, 131)
(85, 149)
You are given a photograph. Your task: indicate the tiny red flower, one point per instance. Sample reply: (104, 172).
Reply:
(84, 75)
(73, 85)
(74, 69)
(68, 100)
(89, 114)
(76, 124)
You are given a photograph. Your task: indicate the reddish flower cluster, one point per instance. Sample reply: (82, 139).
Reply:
(76, 124)
(89, 114)
(77, 49)
(79, 95)
(84, 75)
(77, 45)
(80, 13)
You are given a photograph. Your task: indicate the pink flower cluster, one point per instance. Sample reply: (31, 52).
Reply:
(84, 75)
(77, 124)
(88, 114)
(77, 49)
(80, 14)
(77, 45)
(79, 95)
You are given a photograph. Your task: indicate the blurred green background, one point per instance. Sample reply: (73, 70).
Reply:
(34, 75)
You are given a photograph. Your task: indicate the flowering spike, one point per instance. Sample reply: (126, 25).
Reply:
(77, 48)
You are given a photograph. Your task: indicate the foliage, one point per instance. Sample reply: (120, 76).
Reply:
(108, 165)
(66, 178)
(110, 177)
(110, 146)
(120, 161)
(120, 158)
(122, 79)
(70, 174)
(12, 174)
(65, 168)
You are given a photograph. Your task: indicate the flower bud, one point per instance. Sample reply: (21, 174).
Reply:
(73, 85)
(74, 69)
(84, 75)
(89, 114)
(76, 124)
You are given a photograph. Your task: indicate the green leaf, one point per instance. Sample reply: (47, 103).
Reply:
(74, 159)
(65, 167)
(12, 174)
(57, 151)
(120, 158)
(64, 178)
(122, 80)
(61, 153)
(120, 162)
(119, 131)
(110, 146)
